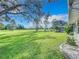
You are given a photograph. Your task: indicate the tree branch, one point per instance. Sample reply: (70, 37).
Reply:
(16, 13)
(11, 8)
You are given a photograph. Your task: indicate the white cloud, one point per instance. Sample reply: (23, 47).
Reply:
(63, 17)
(57, 17)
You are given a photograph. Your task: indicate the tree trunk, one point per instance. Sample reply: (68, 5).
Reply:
(37, 27)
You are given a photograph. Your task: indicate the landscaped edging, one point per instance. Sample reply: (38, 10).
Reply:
(69, 52)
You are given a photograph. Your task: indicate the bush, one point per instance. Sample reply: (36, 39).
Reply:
(71, 41)
(69, 29)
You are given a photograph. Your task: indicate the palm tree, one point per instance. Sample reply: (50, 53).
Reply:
(70, 2)
(73, 16)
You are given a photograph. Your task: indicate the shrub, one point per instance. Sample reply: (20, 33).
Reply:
(71, 41)
(69, 29)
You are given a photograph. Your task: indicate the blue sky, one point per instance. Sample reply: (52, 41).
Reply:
(57, 9)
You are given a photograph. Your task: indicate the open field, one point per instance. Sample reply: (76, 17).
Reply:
(25, 44)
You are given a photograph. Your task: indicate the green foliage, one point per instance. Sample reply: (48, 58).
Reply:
(19, 26)
(71, 41)
(78, 24)
(10, 27)
(59, 25)
(69, 29)
(70, 38)
(1, 26)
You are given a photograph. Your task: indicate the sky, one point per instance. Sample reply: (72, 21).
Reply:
(58, 10)
(60, 7)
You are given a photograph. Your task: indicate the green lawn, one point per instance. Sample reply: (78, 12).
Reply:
(27, 44)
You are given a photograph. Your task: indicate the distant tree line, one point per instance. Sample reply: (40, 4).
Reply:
(56, 25)
(12, 25)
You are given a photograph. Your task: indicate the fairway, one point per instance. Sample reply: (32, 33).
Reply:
(27, 44)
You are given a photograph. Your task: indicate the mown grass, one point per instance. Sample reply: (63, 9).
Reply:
(27, 44)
